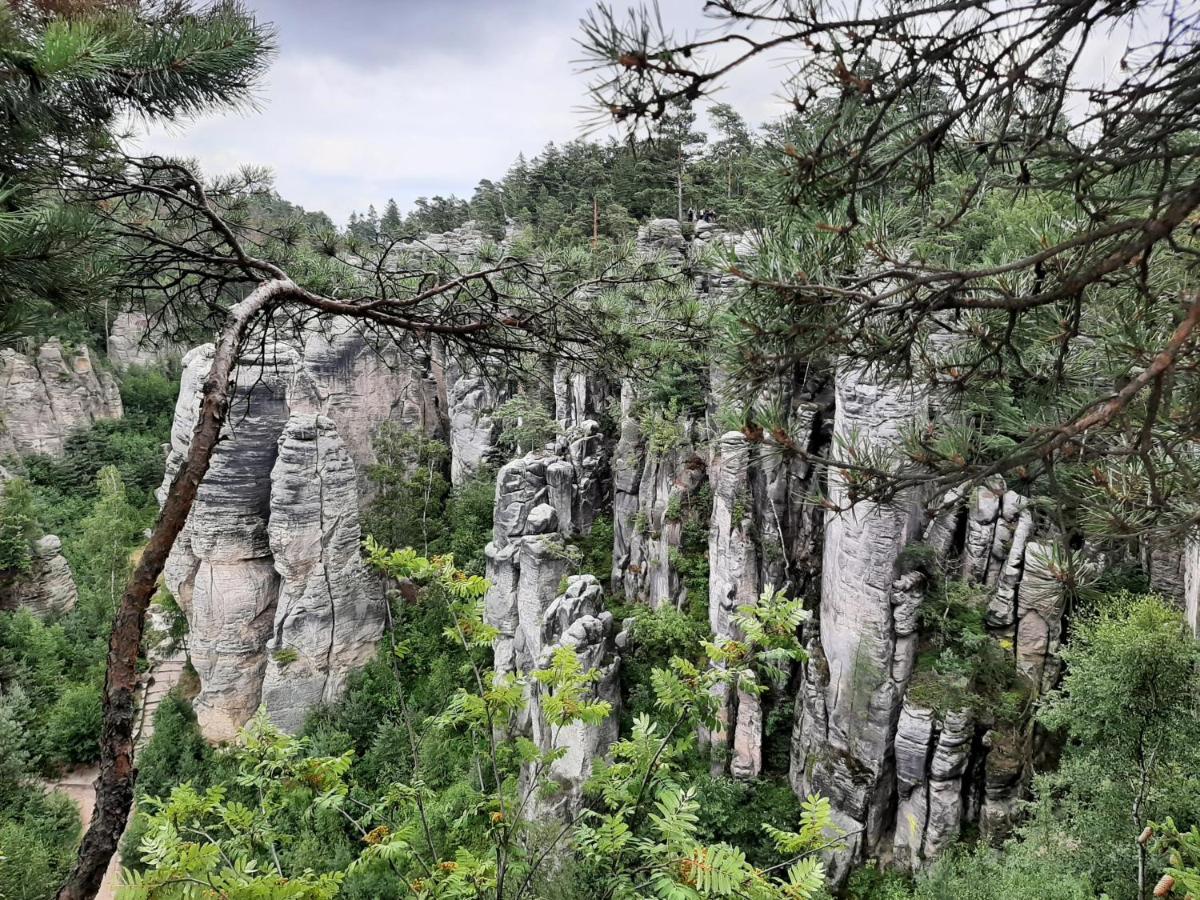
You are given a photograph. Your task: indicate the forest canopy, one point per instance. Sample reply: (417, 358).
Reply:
(723, 508)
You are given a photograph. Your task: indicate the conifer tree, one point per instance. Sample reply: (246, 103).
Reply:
(68, 74)
(391, 222)
(973, 210)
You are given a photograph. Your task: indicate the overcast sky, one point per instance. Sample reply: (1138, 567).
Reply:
(371, 99)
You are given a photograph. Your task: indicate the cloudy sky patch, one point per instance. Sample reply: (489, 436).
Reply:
(368, 99)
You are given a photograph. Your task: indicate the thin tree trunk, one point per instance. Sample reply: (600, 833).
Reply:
(114, 787)
(679, 189)
(595, 224)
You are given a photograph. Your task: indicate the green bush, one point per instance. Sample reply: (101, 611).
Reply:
(1021, 872)
(734, 811)
(596, 548)
(469, 518)
(73, 725)
(410, 479)
(38, 850)
(657, 636)
(176, 753)
(18, 527)
(525, 425)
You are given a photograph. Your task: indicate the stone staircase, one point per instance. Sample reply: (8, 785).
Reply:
(163, 676)
(80, 784)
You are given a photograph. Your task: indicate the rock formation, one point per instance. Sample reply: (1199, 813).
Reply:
(46, 395)
(138, 339)
(541, 499)
(1191, 584)
(48, 588)
(576, 619)
(932, 754)
(649, 514)
(328, 618)
(269, 576)
(221, 570)
(267, 566)
(472, 431)
(361, 381)
(859, 666)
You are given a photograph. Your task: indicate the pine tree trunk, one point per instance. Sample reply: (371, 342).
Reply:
(114, 787)
(679, 189)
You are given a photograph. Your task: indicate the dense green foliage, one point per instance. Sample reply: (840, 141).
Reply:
(566, 192)
(410, 785)
(98, 497)
(72, 73)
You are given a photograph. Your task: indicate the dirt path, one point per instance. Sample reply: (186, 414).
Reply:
(79, 784)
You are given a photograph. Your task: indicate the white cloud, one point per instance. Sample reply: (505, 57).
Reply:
(341, 132)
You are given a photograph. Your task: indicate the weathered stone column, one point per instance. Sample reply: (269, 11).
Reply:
(329, 615)
(851, 699)
(575, 619)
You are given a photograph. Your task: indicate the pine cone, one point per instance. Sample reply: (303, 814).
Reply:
(1165, 885)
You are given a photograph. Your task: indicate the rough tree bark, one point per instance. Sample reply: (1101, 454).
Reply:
(114, 787)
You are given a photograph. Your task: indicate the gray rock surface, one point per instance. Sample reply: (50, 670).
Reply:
(48, 588)
(666, 491)
(138, 339)
(662, 240)
(46, 395)
(539, 501)
(1040, 607)
(328, 615)
(932, 754)
(576, 619)
(843, 738)
(260, 536)
(471, 401)
(360, 381)
(221, 570)
(1191, 583)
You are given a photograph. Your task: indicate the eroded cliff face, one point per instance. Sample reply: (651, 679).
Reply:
(267, 568)
(328, 613)
(221, 570)
(47, 394)
(575, 620)
(136, 338)
(860, 664)
(48, 588)
(542, 500)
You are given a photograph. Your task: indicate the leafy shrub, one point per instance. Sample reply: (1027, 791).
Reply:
(658, 635)
(73, 725)
(596, 548)
(176, 753)
(525, 425)
(1022, 872)
(469, 517)
(18, 526)
(37, 845)
(734, 811)
(410, 478)
(662, 428)
(148, 398)
(960, 665)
